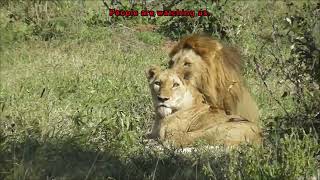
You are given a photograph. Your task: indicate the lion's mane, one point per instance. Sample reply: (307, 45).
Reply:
(219, 76)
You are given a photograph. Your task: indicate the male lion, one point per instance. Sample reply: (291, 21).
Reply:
(182, 116)
(215, 70)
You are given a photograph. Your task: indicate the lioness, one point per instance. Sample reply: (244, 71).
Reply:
(182, 116)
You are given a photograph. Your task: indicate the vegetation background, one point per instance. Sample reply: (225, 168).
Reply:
(75, 104)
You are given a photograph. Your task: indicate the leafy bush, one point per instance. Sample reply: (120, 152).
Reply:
(178, 26)
(287, 49)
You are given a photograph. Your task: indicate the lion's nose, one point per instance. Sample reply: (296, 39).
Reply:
(162, 98)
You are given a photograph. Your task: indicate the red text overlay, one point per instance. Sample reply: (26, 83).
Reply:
(178, 12)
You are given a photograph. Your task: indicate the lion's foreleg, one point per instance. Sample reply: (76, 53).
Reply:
(155, 130)
(173, 127)
(177, 131)
(183, 139)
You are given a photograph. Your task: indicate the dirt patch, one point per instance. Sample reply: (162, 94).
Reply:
(146, 27)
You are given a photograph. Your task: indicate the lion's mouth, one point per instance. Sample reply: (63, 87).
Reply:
(163, 105)
(164, 110)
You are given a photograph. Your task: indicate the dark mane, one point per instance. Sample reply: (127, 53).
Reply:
(204, 45)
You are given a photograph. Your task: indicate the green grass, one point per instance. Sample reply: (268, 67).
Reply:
(150, 38)
(76, 106)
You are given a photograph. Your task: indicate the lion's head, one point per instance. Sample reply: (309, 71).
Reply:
(169, 91)
(215, 70)
(208, 65)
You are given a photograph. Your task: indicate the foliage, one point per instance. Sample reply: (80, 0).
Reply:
(177, 26)
(288, 50)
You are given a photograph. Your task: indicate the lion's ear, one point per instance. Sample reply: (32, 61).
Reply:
(152, 71)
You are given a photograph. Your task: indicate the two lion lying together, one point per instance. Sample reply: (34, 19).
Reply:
(202, 96)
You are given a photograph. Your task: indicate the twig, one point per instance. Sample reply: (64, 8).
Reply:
(125, 27)
(105, 4)
(94, 162)
(224, 3)
(267, 87)
(155, 169)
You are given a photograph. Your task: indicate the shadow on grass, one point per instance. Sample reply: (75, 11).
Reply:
(70, 160)
(32, 160)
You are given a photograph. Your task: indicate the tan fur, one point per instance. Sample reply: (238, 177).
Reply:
(216, 71)
(192, 119)
(167, 78)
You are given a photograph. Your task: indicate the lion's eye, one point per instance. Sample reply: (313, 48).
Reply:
(187, 64)
(171, 63)
(157, 83)
(176, 84)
